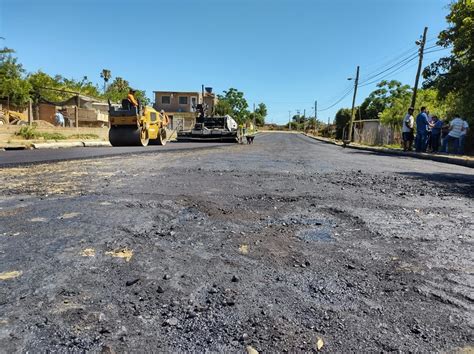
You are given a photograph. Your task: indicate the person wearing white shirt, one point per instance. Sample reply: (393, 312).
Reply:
(462, 137)
(456, 127)
(407, 130)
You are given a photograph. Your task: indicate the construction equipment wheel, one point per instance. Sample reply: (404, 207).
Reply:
(128, 136)
(3, 120)
(162, 139)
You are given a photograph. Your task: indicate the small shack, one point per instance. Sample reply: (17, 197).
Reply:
(78, 110)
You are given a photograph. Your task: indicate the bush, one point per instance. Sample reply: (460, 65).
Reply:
(30, 133)
(27, 132)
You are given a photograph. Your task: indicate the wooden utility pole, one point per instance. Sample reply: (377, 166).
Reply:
(254, 121)
(76, 112)
(304, 120)
(30, 112)
(351, 124)
(298, 119)
(420, 63)
(315, 115)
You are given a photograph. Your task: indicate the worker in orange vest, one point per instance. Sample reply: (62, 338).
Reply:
(131, 98)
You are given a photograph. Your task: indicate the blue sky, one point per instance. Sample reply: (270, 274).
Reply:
(285, 53)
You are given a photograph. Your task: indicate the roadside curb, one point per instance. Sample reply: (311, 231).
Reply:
(63, 145)
(455, 160)
(96, 144)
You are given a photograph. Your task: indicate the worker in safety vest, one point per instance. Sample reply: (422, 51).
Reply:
(131, 97)
(164, 116)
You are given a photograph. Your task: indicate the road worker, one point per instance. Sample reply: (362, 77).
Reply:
(131, 98)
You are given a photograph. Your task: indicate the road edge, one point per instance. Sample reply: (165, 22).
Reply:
(454, 160)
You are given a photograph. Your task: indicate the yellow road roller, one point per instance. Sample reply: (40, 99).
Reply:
(137, 126)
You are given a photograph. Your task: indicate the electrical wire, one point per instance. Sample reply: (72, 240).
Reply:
(340, 93)
(396, 70)
(383, 66)
(371, 75)
(435, 50)
(335, 103)
(397, 64)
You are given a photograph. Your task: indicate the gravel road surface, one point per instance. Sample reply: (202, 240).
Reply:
(286, 245)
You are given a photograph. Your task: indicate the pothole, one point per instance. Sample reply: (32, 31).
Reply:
(316, 234)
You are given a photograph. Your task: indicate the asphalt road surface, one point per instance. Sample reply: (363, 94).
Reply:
(17, 157)
(285, 245)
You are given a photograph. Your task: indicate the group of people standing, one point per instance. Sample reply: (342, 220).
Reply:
(431, 132)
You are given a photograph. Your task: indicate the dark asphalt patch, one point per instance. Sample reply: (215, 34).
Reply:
(396, 276)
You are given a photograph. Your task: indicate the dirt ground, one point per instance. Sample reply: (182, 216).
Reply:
(287, 245)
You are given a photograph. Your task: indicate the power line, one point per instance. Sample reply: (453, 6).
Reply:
(439, 46)
(391, 70)
(371, 75)
(436, 50)
(394, 71)
(339, 100)
(401, 62)
(342, 92)
(410, 50)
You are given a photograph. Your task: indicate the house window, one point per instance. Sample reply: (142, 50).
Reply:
(165, 99)
(183, 100)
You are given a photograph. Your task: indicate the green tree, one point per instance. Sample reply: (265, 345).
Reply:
(384, 97)
(118, 90)
(223, 108)
(259, 115)
(46, 86)
(13, 85)
(342, 118)
(453, 75)
(40, 82)
(83, 87)
(399, 104)
(262, 109)
(238, 103)
(106, 75)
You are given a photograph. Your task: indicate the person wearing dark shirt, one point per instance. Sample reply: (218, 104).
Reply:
(422, 125)
(436, 133)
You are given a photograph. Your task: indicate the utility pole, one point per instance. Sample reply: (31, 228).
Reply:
(304, 120)
(254, 126)
(420, 63)
(298, 120)
(353, 104)
(316, 109)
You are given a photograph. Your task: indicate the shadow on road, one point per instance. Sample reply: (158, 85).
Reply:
(452, 183)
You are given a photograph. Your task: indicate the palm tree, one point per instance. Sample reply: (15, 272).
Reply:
(106, 75)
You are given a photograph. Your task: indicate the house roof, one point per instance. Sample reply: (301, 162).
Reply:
(179, 92)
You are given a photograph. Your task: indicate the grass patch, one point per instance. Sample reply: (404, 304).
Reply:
(30, 133)
(83, 136)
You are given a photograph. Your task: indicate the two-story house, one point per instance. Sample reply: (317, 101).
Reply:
(181, 106)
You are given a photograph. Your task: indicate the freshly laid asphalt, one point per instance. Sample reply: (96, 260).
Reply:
(20, 157)
(286, 245)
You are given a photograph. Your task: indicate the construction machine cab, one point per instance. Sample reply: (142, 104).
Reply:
(126, 109)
